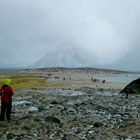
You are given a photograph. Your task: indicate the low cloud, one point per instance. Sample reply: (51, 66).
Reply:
(29, 28)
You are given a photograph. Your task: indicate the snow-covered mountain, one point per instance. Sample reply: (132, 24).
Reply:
(66, 56)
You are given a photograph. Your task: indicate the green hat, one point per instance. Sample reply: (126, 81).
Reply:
(7, 82)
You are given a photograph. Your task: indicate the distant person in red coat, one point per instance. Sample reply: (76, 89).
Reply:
(6, 93)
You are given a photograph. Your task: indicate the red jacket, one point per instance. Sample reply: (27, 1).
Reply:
(6, 93)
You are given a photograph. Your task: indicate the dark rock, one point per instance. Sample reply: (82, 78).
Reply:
(64, 137)
(54, 102)
(41, 108)
(133, 87)
(98, 124)
(27, 127)
(52, 119)
(10, 136)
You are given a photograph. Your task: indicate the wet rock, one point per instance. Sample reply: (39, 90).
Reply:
(32, 109)
(23, 102)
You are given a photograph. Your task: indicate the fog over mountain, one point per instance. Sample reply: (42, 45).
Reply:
(67, 56)
(106, 32)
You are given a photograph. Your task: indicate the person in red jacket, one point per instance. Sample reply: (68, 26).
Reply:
(6, 92)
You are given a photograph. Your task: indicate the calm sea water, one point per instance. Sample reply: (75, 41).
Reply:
(124, 79)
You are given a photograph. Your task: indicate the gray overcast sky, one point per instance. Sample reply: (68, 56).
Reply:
(109, 29)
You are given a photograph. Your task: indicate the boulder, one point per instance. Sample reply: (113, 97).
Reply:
(32, 109)
(133, 87)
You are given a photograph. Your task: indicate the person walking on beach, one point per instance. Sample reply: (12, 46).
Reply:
(91, 79)
(6, 93)
(127, 92)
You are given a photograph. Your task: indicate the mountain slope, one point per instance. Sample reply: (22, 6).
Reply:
(66, 56)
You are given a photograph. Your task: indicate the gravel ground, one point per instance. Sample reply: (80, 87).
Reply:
(73, 114)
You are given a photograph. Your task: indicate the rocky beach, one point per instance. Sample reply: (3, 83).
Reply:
(73, 109)
(69, 70)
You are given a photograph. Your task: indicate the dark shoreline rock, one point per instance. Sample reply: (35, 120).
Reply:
(132, 88)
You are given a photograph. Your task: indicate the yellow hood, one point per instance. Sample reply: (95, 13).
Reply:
(7, 82)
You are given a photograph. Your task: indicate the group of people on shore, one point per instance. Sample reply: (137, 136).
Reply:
(96, 80)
